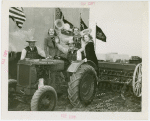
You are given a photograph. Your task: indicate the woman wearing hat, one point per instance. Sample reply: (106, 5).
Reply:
(32, 51)
(89, 46)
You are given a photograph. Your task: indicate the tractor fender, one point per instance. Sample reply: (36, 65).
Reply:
(76, 64)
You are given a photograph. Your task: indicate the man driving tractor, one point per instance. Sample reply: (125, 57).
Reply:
(32, 51)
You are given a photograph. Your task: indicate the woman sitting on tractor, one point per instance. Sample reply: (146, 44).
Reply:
(88, 47)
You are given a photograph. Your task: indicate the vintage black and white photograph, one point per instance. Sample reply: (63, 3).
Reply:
(76, 59)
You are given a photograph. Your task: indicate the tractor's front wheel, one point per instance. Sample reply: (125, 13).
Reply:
(11, 90)
(82, 86)
(44, 99)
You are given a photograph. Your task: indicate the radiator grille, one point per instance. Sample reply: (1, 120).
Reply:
(23, 77)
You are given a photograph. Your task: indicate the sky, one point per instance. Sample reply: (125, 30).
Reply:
(123, 24)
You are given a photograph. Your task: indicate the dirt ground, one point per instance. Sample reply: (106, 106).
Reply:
(104, 101)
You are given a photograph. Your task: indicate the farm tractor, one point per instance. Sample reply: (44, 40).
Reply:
(35, 81)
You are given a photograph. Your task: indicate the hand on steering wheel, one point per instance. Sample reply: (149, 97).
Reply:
(49, 57)
(56, 57)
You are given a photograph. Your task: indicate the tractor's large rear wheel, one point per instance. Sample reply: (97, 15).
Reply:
(82, 86)
(44, 99)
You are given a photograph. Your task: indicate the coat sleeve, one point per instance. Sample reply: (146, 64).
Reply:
(89, 50)
(41, 52)
(61, 48)
(45, 47)
(23, 54)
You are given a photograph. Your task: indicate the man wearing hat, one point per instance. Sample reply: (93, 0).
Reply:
(72, 53)
(77, 38)
(32, 51)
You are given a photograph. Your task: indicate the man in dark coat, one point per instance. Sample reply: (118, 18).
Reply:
(77, 38)
(72, 52)
(32, 51)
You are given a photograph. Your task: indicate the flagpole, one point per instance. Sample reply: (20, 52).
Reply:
(95, 36)
(80, 21)
(54, 19)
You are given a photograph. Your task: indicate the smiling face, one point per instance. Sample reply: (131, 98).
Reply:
(51, 32)
(76, 31)
(71, 46)
(32, 44)
(86, 38)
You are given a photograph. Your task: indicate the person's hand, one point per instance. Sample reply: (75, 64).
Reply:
(57, 40)
(85, 60)
(56, 57)
(49, 57)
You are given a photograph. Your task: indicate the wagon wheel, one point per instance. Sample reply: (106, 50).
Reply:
(137, 81)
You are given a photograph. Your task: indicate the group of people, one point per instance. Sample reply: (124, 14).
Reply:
(81, 47)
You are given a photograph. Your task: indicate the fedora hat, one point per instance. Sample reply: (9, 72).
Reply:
(85, 31)
(70, 42)
(31, 40)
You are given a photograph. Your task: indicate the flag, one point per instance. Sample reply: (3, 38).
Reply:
(82, 25)
(99, 34)
(67, 22)
(58, 13)
(17, 15)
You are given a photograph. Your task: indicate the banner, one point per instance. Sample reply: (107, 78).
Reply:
(99, 34)
(82, 25)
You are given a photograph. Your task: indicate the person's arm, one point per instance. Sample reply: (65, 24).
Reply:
(45, 47)
(23, 54)
(60, 47)
(41, 52)
(82, 46)
(79, 56)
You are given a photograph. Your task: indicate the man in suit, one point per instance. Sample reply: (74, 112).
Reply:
(32, 51)
(77, 38)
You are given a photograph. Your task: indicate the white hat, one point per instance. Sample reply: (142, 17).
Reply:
(85, 31)
(31, 40)
(67, 27)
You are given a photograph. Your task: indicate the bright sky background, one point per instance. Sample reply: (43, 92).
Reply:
(123, 24)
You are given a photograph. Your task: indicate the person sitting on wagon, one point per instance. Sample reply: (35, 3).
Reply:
(32, 51)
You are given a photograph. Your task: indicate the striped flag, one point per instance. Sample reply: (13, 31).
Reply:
(58, 14)
(82, 24)
(17, 15)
